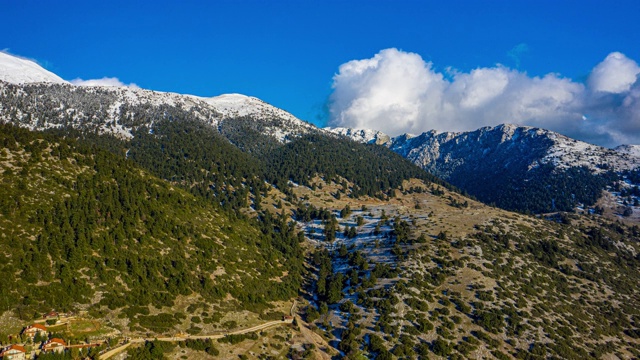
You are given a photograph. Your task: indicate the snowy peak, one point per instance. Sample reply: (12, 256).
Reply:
(633, 150)
(273, 121)
(566, 152)
(121, 110)
(238, 105)
(269, 119)
(366, 136)
(451, 148)
(18, 70)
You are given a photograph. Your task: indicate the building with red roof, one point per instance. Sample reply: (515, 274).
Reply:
(54, 345)
(34, 329)
(13, 352)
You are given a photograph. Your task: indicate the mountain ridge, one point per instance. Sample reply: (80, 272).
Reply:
(119, 110)
(518, 167)
(560, 154)
(16, 71)
(505, 165)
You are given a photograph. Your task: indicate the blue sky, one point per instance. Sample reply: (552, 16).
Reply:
(287, 52)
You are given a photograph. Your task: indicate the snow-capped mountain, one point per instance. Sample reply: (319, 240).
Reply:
(366, 136)
(516, 167)
(17, 70)
(38, 99)
(632, 150)
(275, 122)
(238, 105)
(431, 148)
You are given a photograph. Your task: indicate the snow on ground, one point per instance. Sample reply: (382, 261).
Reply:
(277, 122)
(632, 150)
(238, 105)
(367, 136)
(563, 153)
(314, 231)
(567, 152)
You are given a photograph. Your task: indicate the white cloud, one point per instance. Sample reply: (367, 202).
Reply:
(615, 74)
(105, 81)
(389, 88)
(397, 92)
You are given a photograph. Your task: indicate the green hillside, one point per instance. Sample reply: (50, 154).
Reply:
(371, 169)
(430, 273)
(80, 225)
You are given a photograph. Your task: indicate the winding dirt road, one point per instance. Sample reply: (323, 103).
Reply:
(260, 327)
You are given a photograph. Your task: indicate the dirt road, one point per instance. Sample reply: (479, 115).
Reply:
(260, 327)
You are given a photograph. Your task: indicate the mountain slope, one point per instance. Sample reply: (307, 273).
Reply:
(366, 136)
(515, 167)
(546, 146)
(85, 227)
(430, 273)
(370, 170)
(43, 100)
(120, 110)
(633, 150)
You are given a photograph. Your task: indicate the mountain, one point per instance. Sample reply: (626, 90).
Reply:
(364, 136)
(516, 167)
(429, 272)
(18, 70)
(422, 271)
(120, 110)
(561, 151)
(33, 97)
(233, 106)
(88, 230)
(190, 140)
(633, 150)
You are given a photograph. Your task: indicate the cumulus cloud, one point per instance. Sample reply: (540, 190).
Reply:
(105, 81)
(398, 92)
(390, 88)
(615, 74)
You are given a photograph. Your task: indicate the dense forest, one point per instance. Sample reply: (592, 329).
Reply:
(371, 169)
(81, 221)
(540, 190)
(105, 219)
(194, 155)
